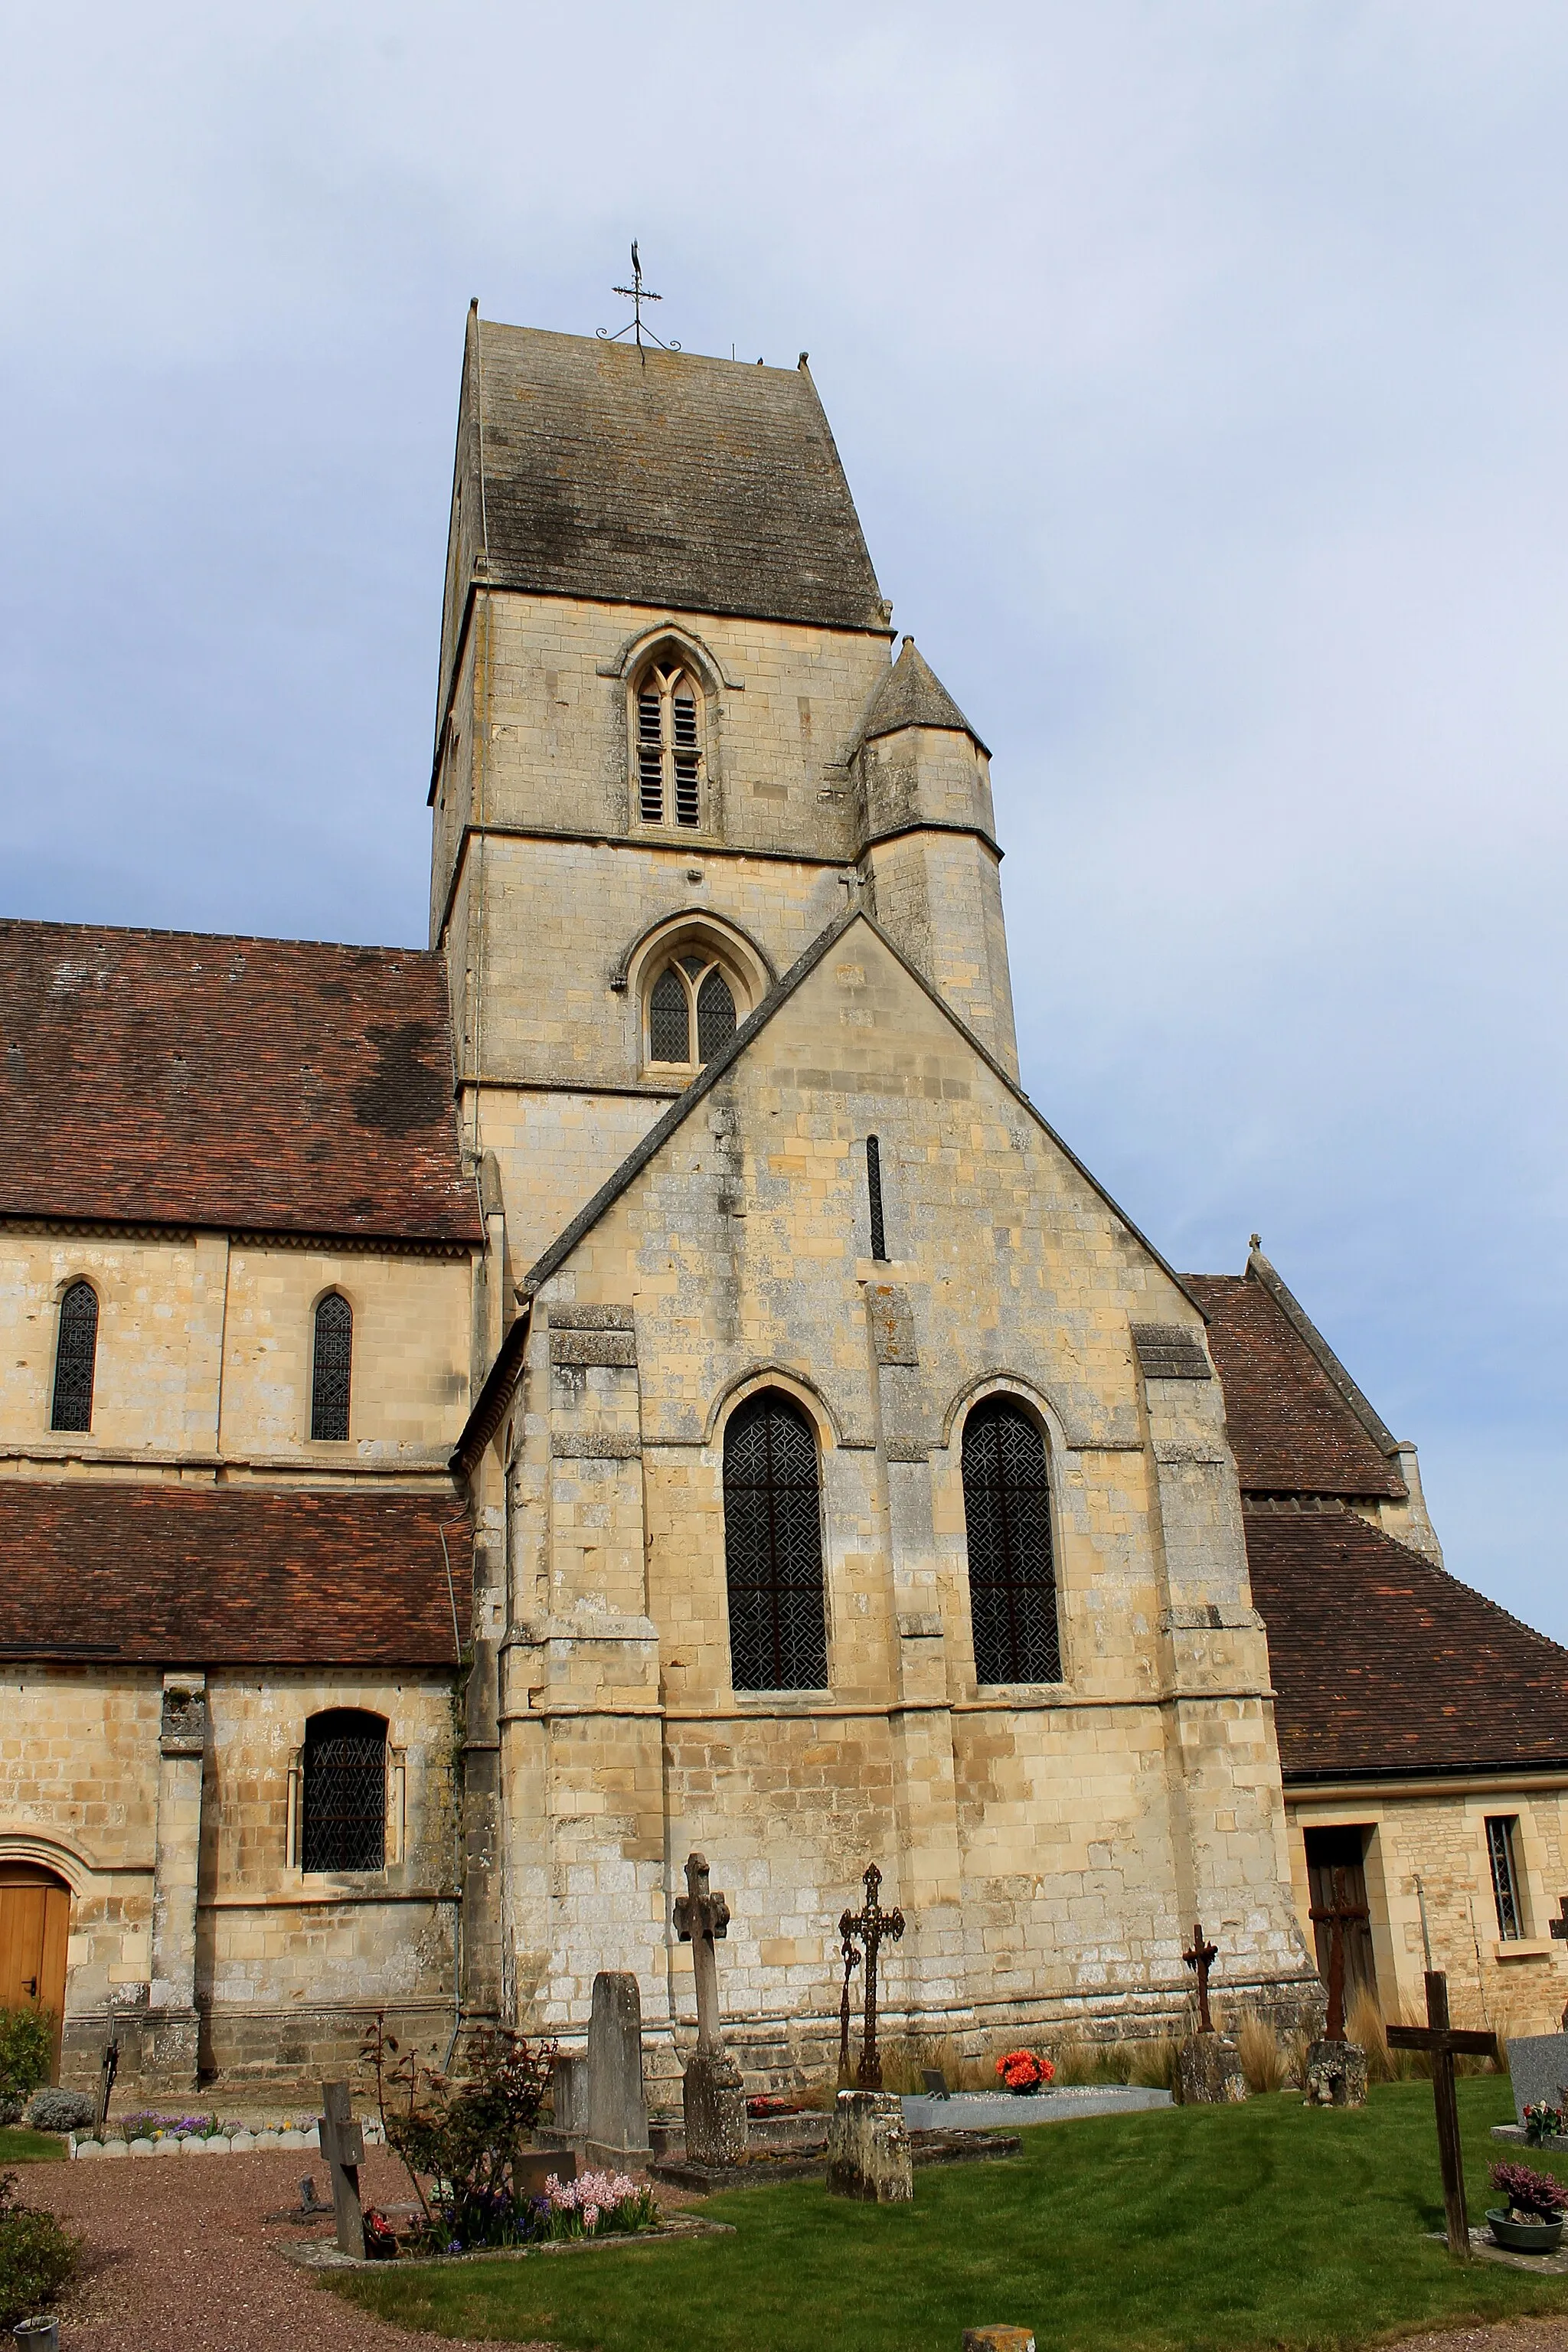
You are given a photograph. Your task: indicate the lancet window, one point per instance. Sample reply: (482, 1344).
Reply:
(668, 706)
(772, 1547)
(344, 1825)
(691, 1010)
(1007, 1518)
(76, 1358)
(332, 1367)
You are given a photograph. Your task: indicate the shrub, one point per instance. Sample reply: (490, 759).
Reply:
(1531, 2196)
(60, 2111)
(37, 2257)
(1265, 2063)
(466, 2136)
(26, 2051)
(10, 2108)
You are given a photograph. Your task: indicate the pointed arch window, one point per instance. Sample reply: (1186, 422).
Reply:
(76, 1358)
(692, 999)
(332, 1367)
(671, 771)
(1008, 1519)
(345, 1816)
(772, 1547)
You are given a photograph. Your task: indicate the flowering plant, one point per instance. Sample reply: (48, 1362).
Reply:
(1543, 2122)
(1023, 2072)
(597, 2204)
(1531, 2196)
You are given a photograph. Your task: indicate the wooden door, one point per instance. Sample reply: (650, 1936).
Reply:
(35, 1921)
(1343, 1852)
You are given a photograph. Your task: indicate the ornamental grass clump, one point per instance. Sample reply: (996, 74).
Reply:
(1264, 2062)
(37, 2257)
(1531, 2196)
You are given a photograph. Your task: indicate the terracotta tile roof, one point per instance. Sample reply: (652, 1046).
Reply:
(1291, 1429)
(687, 484)
(276, 1085)
(228, 1576)
(1384, 1664)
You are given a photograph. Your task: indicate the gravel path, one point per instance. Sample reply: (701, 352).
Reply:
(180, 2257)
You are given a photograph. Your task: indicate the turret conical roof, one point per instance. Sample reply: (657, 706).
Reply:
(911, 695)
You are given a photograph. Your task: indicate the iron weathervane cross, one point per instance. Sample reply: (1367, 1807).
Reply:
(636, 294)
(1440, 2039)
(868, 1927)
(1337, 1916)
(1201, 1959)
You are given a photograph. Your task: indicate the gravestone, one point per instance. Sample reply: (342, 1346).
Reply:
(712, 2092)
(1209, 2071)
(1538, 2065)
(569, 2094)
(869, 2154)
(617, 2111)
(343, 2145)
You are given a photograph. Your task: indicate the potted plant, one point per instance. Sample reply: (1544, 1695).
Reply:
(1024, 2073)
(1529, 2219)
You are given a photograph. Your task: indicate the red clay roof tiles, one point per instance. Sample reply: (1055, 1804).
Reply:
(1290, 1430)
(224, 1576)
(274, 1084)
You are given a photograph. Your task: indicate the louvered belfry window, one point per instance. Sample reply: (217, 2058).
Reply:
(690, 995)
(333, 1370)
(1007, 1517)
(773, 1548)
(344, 1819)
(669, 749)
(76, 1358)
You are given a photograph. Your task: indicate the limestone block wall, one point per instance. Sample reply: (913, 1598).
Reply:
(1438, 1835)
(939, 895)
(205, 1348)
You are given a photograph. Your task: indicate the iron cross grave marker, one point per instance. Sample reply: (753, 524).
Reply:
(868, 1927)
(1337, 1916)
(1201, 1959)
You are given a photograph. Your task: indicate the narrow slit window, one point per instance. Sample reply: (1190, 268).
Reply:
(344, 1825)
(1503, 1834)
(773, 1548)
(715, 1016)
(874, 1193)
(75, 1359)
(668, 1020)
(1007, 1520)
(331, 1373)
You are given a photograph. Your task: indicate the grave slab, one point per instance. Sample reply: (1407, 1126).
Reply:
(1538, 2064)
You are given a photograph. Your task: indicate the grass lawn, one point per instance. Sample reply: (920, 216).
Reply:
(1271, 2224)
(30, 2147)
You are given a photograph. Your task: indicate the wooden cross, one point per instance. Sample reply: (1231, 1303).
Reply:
(868, 1927)
(699, 1916)
(1441, 2040)
(343, 2145)
(851, 1962)
(1339, 1915)
(1202, 1958)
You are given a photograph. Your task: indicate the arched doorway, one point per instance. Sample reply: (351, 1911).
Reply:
(34, 1922)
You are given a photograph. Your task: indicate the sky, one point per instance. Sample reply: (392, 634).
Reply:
(1200, 373)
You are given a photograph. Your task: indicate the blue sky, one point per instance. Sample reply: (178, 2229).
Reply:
(1200, 372)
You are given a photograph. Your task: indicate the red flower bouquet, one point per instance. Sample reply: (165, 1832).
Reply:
(1024, 2073)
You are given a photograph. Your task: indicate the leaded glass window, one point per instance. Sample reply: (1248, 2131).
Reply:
(668, 1019)
(715, 1015)
(334, 1366)
(1501, 1832)
(691, 997)
(874, 1196)
(773, 1548)
(1007, 1517)
(76, 1358)
(344, 1825)
(669, 767)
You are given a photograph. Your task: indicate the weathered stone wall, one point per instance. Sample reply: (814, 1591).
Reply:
(1437, 1834)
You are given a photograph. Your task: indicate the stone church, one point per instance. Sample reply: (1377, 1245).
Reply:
(641, 1373)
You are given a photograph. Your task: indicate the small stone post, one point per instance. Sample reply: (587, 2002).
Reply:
(869, 2154)
(343, 2145)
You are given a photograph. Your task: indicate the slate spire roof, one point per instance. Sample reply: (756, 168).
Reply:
(911, 695)
(666, 478)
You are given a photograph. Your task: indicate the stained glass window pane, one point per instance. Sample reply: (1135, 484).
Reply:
(1505, 1877)
(333, 1367)
(1007, 1517)
(76, 1356)
(668, 1022)
(344, 1821)
(715, 1016)
(773, 1548)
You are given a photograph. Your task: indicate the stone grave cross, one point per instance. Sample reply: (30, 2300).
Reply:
(1443, 2043)
(1200, 1959)
(868, 1928)
(1337, 1916)
(343, 2145)
(699, 1916)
